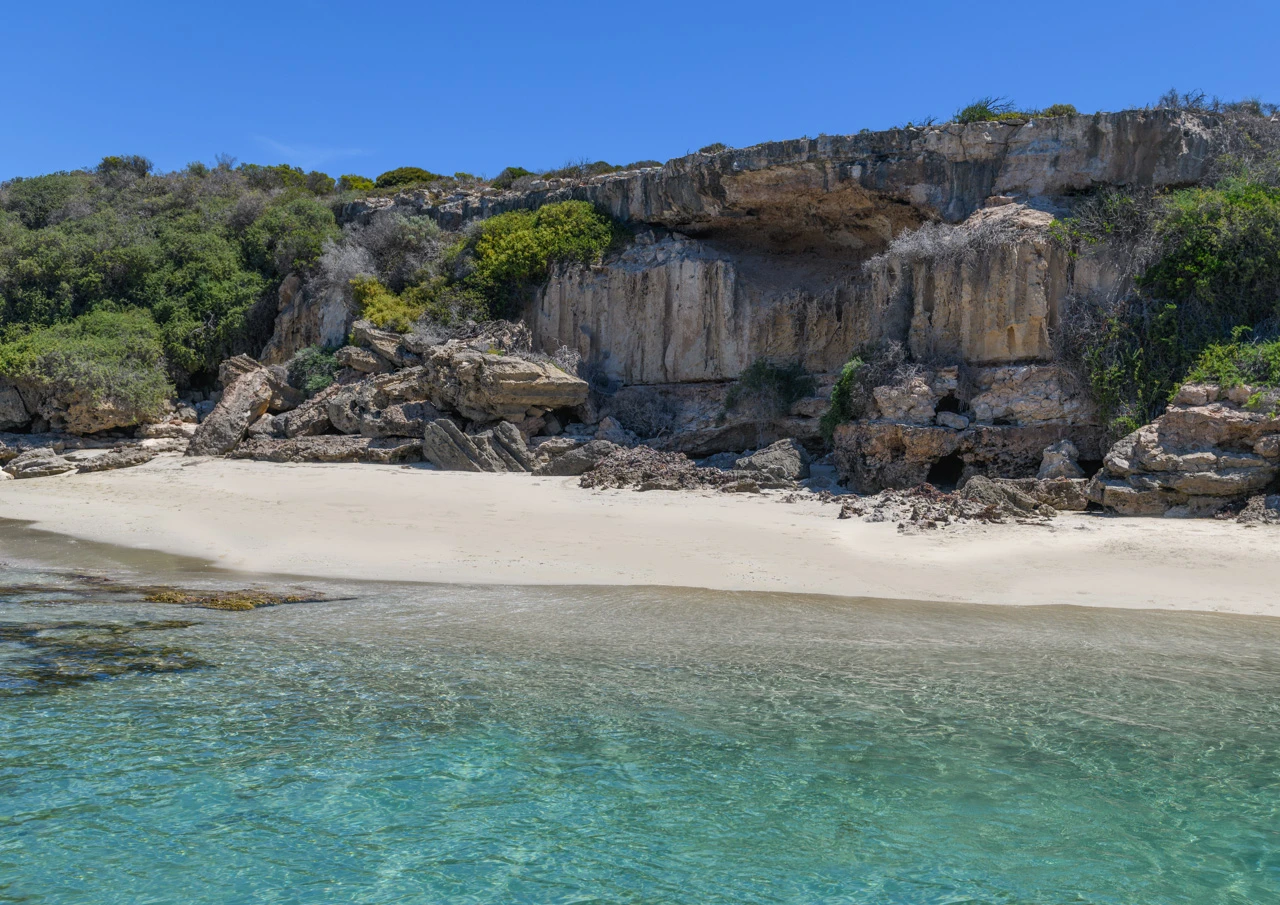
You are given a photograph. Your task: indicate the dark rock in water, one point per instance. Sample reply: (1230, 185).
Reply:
(124, 457)
(53, 656)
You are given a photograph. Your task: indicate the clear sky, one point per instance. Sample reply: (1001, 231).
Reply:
(364, 87)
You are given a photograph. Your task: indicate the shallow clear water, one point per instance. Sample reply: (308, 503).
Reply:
(447, 744)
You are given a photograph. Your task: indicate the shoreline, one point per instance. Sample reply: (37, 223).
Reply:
(413, 524)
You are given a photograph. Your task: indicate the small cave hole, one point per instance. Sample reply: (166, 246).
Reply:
(945, 473)
(949, 403)
(1090, 467)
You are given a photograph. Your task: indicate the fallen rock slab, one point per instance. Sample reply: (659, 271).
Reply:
(785, 460)
(123, 457)
(384, 451)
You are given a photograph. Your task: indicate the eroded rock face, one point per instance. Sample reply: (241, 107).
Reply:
(874, 455)
(13, 412)
(1028, 394)
(1191, 461)
(308, 316)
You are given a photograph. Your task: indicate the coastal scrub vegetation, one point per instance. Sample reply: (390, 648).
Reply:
(1243, 361)
(312, 369)
(874, 364)
(489, 270)
(1206, 266)
(111, 357)
(999, 109)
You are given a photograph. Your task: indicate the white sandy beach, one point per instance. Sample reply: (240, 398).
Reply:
(415, 524)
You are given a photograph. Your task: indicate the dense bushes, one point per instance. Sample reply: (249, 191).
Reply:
(490, 271)
(202, 250)
(1239, 362)
(113, 357)
(1207, 263)
(875, 364)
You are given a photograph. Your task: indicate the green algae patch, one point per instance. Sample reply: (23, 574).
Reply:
(236, 601)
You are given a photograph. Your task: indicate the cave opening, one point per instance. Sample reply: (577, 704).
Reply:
(949, 403)
(945, 473)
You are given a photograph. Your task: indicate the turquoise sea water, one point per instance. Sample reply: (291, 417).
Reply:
(491, 745)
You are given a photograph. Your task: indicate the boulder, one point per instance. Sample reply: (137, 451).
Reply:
(577, 461)
(1063, 494)
(38, 463)
(283, 396)
(362, 360)
(953, 420)
(1193, 460)
(387, 405)
(121, 457)
(481, 386)
(242, 403)
(232, 369)
(786, 460)
(1059, 461)
(610, 429)
(384, 451)
(311, 418)
(1005, 497)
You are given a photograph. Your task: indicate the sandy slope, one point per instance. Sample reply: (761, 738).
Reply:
(414, 524)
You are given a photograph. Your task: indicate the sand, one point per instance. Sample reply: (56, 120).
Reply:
(416, 524)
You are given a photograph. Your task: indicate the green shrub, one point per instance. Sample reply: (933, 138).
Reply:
(1059, 110)
(507, 177)
(512, 253)
(642, 165)
(842, 407)
(714, 148)
(1236, 363)
(289, 235)
(770, 388)
(353, 183)
(312, 369)
(379, 304)
(112, 357)
(405, 176)
(985, 110)
(582, 170)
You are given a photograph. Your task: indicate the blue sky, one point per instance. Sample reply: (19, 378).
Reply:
(362, 88)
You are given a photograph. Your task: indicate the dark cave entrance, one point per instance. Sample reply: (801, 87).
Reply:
(948, 404)
(945, 473)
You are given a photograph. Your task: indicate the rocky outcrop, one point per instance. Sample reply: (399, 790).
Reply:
(13, 411)
(1211, 448)
(307, 316)
(484, 387)
(1061, 460)
(242, 403)
(579, 460)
